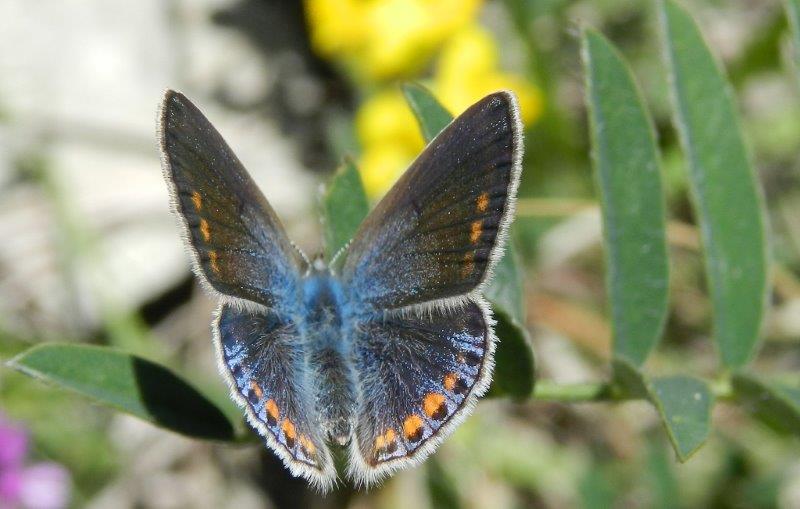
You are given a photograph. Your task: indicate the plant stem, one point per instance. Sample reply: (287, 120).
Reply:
(546, 390)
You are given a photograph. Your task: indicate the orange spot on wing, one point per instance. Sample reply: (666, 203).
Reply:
(205, 230)
(212, 257)
(307, 445)
(475, 231)
(289, 432)
(433, 405)
(386, 442)
(469, 264)
(256, 389)
(197, 200)
(483, 202)
(450, 380)
(412, 427)
(273, 412)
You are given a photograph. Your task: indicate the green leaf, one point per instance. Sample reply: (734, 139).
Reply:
(127, 383)
(662, 485)
(684, 404)
(514, 372)
(775, 404)
(344, 207)
(628, 381)
(628, 175)
(514, 375)
(442, 490)
(596, 489)
(431, 115)
(793, 14)
(724, 188)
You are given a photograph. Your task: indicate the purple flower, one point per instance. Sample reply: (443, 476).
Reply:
(37, 486)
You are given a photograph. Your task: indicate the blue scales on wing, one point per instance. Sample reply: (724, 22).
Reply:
(414, 271)
(266, 364)
(240, 249)
(418, 372)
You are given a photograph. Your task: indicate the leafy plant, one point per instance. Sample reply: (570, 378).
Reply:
(728, 209)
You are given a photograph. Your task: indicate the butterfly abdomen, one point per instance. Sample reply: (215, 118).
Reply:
(331, 377)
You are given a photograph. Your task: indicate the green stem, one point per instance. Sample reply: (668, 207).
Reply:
(546, 390)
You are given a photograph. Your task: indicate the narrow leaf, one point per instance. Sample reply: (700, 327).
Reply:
(663, 486)
(442, 490)
(628, 175)
(514, 373)
(684, 404)
(431, 115)
(776, 405)
(344, 207)
(596, 489)
(793, 14)
(723, 185)
(127, 383)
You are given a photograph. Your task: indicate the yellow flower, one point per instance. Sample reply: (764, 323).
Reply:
(386, 118)
(381, 165)
(467, 70)
(384, 39)
(389, 137)
(337, 26)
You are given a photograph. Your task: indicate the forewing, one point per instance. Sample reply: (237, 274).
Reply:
(440, 229)
(263, 359)
(238, 244)
(419, 375)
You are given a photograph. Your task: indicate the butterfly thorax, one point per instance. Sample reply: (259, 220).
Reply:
(325, 331)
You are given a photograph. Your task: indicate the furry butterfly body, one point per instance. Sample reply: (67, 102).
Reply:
(385, 355)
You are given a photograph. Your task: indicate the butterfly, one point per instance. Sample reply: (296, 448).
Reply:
(384, 351)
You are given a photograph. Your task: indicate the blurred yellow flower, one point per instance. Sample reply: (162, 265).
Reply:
(384, 39)
(467, 70)
(389, 137)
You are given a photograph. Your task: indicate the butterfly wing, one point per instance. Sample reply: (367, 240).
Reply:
(435, 234)
(424, 340)
(238, 245)
(424, 374)
(264, 363)
(241, 251)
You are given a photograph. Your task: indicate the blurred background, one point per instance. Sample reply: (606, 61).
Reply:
(89, 252)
